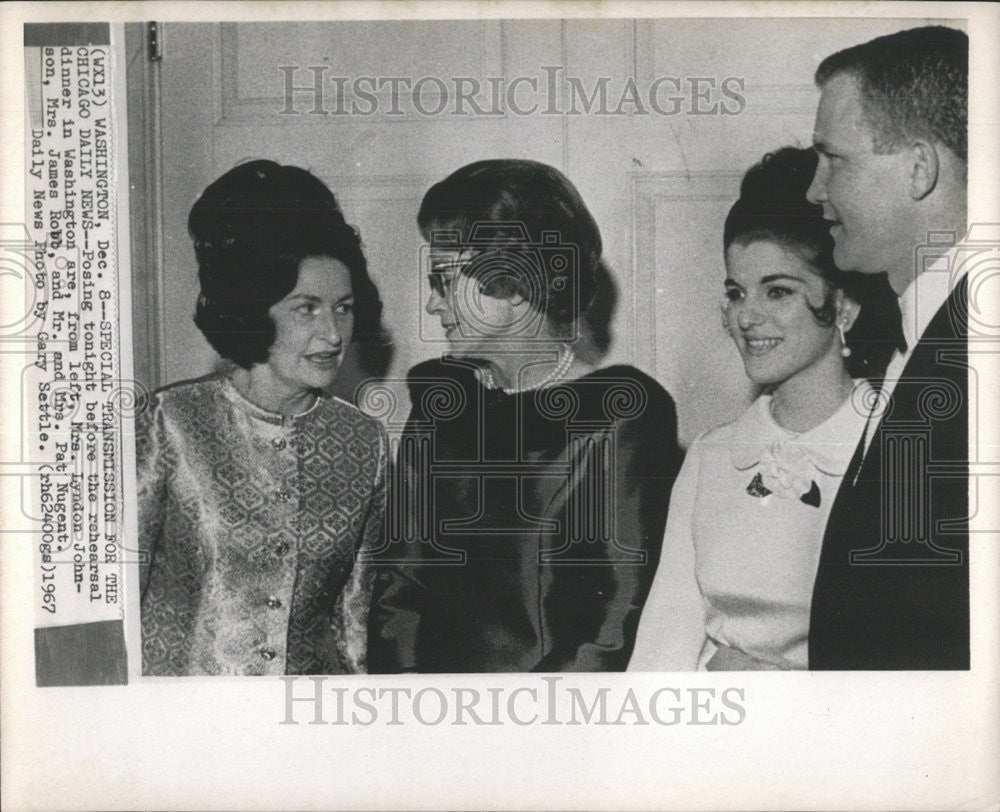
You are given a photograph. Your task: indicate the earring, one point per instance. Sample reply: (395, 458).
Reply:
(845, 351)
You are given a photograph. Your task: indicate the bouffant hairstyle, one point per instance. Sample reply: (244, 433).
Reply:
(528, 228)
(252, 228)
(772, 207)
(913, 84)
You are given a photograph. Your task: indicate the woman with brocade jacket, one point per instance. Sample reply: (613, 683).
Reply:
(257, 491)
(534, 485)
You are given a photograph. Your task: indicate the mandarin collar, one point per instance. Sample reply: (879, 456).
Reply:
(274, 418)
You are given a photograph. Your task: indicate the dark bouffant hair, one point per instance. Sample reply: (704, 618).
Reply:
(772, 207)
(529, 228)
(252, 228)
(913, 84)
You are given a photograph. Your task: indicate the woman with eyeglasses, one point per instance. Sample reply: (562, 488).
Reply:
(256, 490)
(734, 586)
(534, 485)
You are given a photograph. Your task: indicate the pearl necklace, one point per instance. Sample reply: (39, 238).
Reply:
(566, 358)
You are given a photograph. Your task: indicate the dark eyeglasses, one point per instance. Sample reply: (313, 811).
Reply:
(442, 275)
(440, 283)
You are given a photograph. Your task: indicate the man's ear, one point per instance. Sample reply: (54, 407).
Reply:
(924, 169)
(848, 311)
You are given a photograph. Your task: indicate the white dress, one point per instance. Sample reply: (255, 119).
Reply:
(743, 541)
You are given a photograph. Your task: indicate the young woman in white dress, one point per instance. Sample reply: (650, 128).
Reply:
(748, 511)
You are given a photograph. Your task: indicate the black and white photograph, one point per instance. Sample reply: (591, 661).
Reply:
(482, 395)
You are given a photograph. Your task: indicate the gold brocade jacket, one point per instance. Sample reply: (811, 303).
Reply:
(249, 528)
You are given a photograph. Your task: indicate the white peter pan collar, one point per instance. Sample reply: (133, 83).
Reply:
(829, 446)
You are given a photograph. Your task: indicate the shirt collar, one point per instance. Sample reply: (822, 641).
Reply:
(829, 446)
(928, 291)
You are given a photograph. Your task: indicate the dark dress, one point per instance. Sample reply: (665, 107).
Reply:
(528, 527)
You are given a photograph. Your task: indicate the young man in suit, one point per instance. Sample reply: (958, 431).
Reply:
(892, 589)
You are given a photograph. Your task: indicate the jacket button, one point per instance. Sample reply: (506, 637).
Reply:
(273, 602)
(267, 654)
(282, 548)
(278, 443)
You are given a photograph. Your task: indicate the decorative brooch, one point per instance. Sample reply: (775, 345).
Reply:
(785, 470)
(760, 490)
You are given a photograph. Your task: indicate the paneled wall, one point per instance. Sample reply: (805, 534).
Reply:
(658, 182)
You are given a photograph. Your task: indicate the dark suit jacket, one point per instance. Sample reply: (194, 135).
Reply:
(892, 589)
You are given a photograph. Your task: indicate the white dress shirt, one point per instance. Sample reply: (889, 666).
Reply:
(918, 304)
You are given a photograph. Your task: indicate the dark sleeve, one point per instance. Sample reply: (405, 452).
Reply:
(641, 463)
(399, 596)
